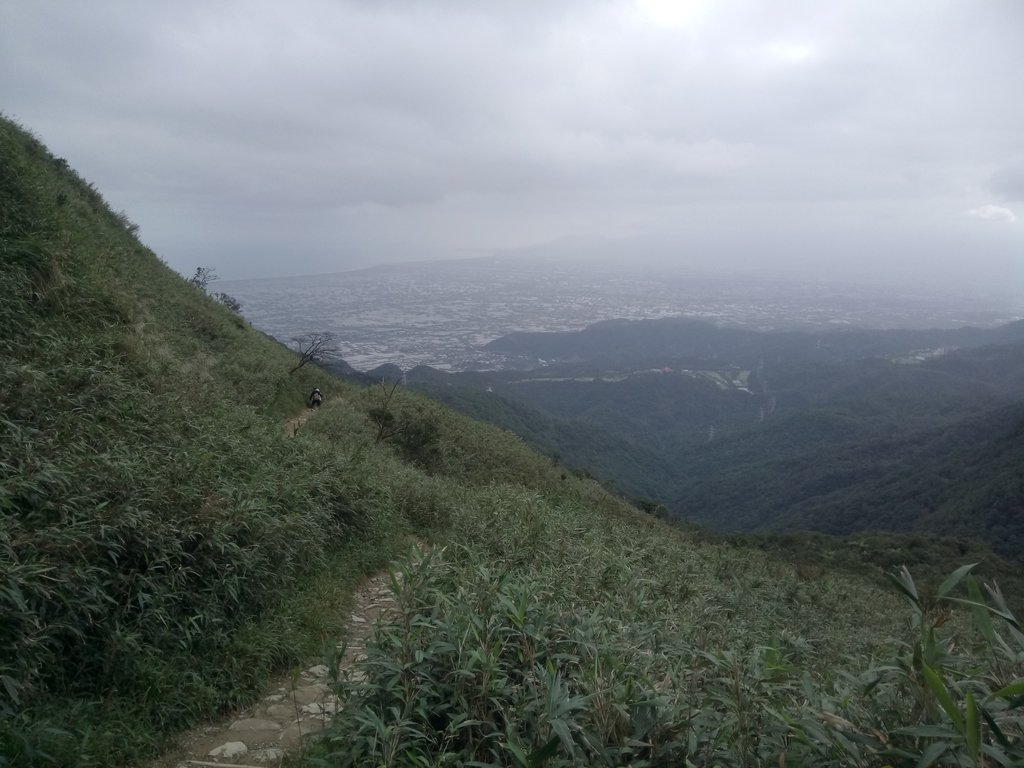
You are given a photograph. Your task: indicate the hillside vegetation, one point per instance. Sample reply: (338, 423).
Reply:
(166, 543)
(161, 543)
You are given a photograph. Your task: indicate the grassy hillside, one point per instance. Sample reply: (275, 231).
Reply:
(634, 469)
(165, 544)
(160, 542)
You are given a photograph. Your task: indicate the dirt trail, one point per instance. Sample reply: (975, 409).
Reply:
(263, 734)
(292, 710)
(292, 425)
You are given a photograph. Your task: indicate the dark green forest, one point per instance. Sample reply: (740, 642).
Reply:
(867, 431)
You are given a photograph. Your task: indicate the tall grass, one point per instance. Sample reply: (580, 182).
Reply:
(157, 532)
(504, 666)
(551, 625)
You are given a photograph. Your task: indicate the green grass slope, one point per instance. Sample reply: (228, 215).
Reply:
(630, 467)
(156, 529)
(165, 546)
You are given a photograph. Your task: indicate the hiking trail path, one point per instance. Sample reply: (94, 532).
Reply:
(291, 426)
(293, 709)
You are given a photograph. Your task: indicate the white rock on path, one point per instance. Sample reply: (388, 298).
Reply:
(231, 749)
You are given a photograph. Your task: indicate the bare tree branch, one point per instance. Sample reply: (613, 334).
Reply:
(387, 425)
(203, 277)
(313, 348)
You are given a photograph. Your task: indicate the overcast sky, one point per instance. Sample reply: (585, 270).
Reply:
(849, 137)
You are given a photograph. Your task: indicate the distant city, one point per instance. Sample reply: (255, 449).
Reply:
(442, 313)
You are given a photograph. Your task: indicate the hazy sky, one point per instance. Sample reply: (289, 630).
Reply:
(860, 137)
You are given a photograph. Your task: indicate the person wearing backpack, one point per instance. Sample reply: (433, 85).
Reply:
(315, 399)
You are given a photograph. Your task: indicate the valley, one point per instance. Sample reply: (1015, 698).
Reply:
(824, 436)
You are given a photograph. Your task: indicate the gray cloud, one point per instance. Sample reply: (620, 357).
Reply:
(992, 213)
(272, 139)
(1008, 181)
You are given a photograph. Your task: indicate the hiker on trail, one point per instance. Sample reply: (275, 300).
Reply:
(315, 399)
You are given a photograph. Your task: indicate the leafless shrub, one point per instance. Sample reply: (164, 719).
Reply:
(228, 301)
(203, 277)
(387, 425)
(313, 348)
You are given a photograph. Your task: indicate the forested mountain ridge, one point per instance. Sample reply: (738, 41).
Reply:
(630, 467)
(976, 490)
(835, 445)
(820, 470)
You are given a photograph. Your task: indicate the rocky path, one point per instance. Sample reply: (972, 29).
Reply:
(293, 710)
(292, 425)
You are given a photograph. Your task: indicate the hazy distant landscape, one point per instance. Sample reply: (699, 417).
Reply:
(442, 314)
(742, 403)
